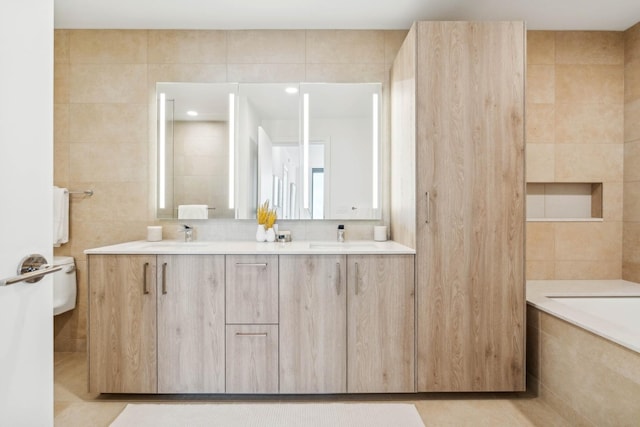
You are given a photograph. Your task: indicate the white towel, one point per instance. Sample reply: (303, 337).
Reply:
(60, 216)
(193, 212)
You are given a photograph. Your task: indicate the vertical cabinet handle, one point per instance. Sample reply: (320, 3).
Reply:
(145, 289)
(164, 278)
(357, 279)
(428, 216)
(338, 278)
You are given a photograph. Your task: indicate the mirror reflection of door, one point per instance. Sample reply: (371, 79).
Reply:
(317, 193)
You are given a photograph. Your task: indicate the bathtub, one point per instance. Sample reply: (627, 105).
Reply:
(608, 308)
(583, 349)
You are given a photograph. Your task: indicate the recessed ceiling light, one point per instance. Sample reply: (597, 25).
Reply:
(192, 113)
(291, 90)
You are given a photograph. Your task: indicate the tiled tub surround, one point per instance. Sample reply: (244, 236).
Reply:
(585, 367)
(631, 233)
(574, 131)
(105, 136)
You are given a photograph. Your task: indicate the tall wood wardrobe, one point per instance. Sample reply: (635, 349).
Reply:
(457, 197)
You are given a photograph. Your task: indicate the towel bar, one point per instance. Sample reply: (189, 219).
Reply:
(87, 193)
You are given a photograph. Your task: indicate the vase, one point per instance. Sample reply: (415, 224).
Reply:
(261, 234)
(271, 235)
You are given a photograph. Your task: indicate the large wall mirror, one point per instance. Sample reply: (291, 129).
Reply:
(311, 149)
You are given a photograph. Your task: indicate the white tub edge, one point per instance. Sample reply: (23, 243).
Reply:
(539, 293)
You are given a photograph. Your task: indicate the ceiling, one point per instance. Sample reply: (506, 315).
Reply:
(614, 15)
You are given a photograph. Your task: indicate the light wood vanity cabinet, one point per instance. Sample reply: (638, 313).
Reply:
(252, 289)
(252, 359)
(156, 323)
(347, 314)
(122, 324)
(313, 324)
(380, 324)
(457, 185)
(191, 325)
(252, 323)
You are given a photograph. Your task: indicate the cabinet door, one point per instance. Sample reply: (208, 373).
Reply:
(252, 289)
(252, 359)
(470, 214)
(122, 324)
(313, 329)
(191, 324)
(380, 324)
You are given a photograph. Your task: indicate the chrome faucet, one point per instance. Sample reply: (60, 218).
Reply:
(188, 232)
(341, 233)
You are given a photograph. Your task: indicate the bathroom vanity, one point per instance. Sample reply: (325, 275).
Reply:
(246, 317)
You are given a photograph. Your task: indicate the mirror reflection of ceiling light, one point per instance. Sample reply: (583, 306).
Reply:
(291, 90)
(192, 113)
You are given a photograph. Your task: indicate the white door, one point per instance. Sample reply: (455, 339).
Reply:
(26, 164)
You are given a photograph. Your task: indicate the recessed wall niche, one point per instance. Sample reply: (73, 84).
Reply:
(560, 201)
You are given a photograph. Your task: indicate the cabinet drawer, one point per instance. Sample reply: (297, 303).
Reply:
(252, 289)
(252, 359)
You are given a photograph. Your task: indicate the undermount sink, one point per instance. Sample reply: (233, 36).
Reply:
(339, 245)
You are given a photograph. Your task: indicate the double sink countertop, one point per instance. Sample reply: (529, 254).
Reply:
(355, 247)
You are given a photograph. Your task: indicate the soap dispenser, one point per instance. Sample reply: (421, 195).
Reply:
(341, 233)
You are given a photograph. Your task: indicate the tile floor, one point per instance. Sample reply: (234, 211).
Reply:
(74, 406)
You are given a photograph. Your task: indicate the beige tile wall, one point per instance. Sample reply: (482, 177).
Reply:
(575, 121)
(631, 228)
(104, 136)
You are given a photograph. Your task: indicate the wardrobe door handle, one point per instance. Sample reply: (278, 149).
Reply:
(357, 279)
(251, 334)
(164, 278)
(338, 278)
(428, 220)
(145, 289)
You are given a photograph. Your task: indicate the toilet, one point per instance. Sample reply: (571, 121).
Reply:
(64, 285)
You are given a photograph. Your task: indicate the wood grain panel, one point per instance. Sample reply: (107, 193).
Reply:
(380, 337)
(403, 143)
(470, 256)
(252, 359)
(252, 289)
(191, 324)
(122, 324)
(313, 324)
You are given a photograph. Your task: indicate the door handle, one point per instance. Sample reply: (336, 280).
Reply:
(164, 278)
(145, 289)
(428, 216)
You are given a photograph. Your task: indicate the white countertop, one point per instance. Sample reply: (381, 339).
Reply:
(245, 247)
(541, 293)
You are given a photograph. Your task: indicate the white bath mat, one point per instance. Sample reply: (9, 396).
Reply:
(270, 415)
